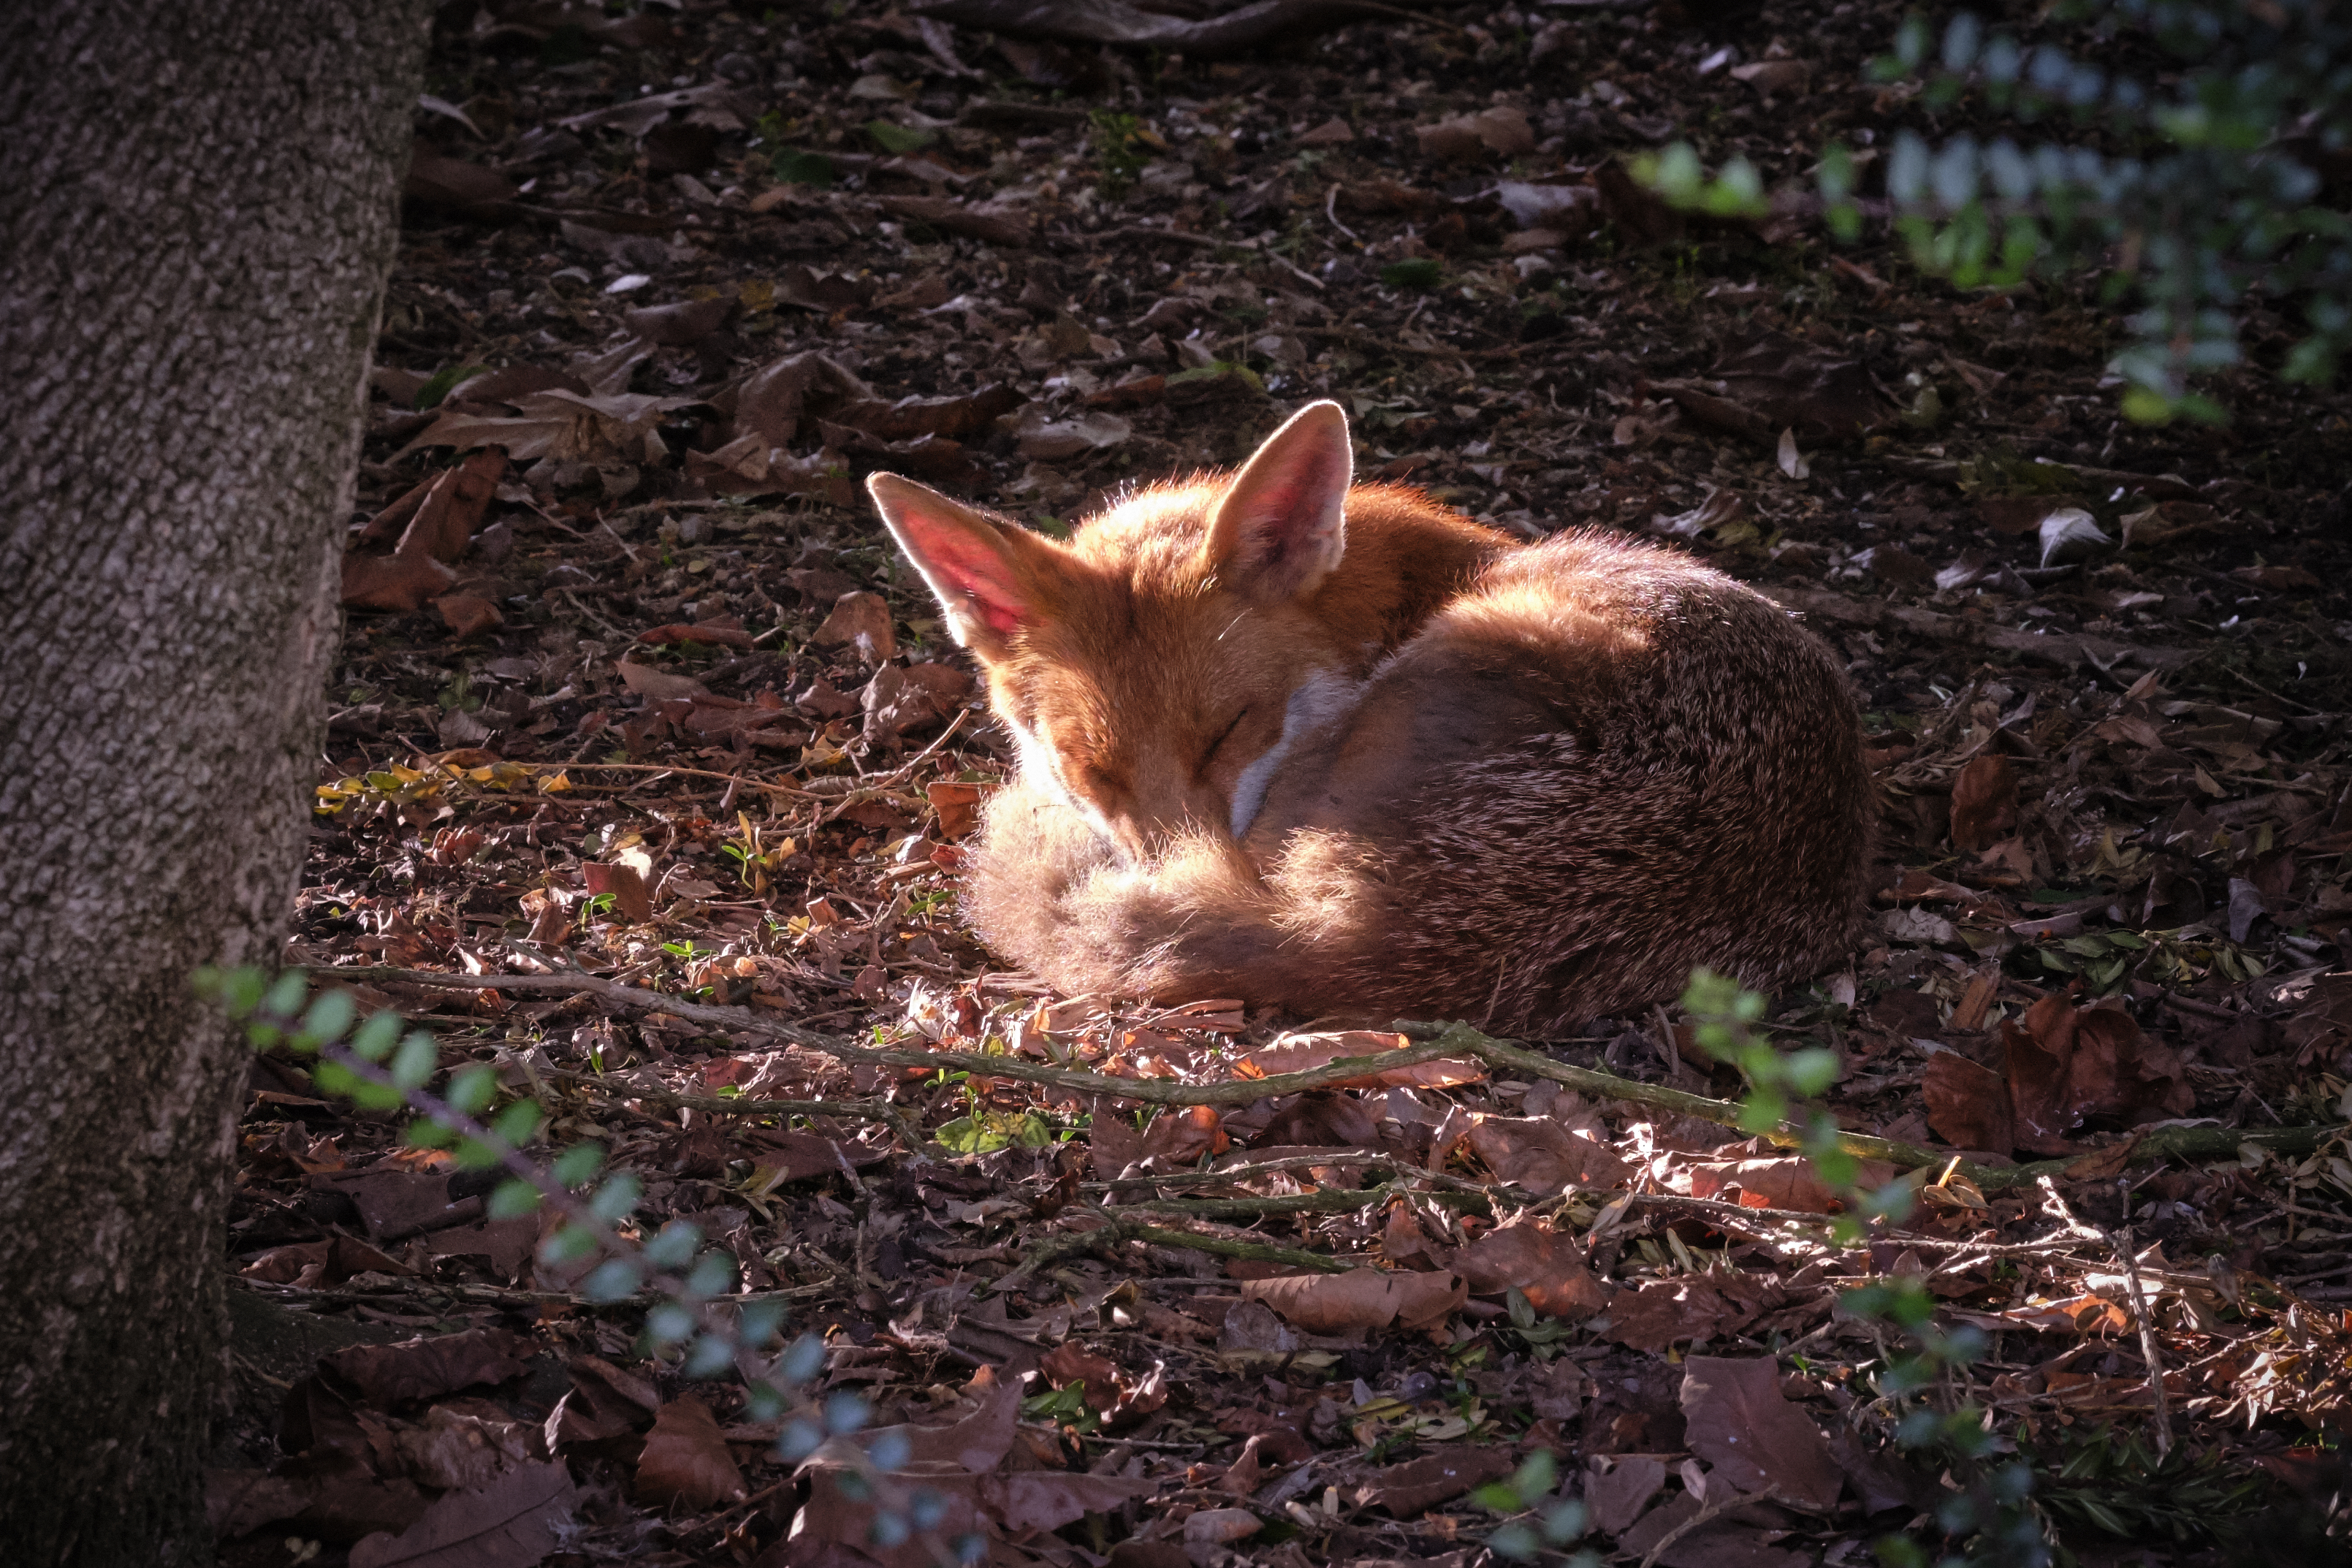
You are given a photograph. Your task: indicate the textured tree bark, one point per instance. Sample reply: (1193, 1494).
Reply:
(197, 217)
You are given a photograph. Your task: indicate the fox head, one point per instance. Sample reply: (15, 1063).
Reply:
(1152, 667)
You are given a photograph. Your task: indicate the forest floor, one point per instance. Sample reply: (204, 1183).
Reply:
(648, 764)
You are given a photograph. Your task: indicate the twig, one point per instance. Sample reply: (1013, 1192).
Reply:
(2122, 1247)
(1709, 1513)
(1331, 211)
(1435, 1041)
(1116, 1229)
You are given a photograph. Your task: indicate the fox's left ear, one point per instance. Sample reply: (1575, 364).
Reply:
(1281, 526)
(994, 582)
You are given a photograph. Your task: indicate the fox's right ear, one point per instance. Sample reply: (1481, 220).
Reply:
(985, 577)
(1282, 525)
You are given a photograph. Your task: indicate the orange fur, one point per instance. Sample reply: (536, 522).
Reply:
(1523, 786)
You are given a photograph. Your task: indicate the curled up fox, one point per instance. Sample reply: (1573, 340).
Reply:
(1338, 748)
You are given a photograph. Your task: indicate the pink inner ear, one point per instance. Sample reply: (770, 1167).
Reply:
(971, 569)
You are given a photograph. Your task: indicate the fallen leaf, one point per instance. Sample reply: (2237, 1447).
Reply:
(1969, 1105)
(978, 1442)
(1045, 438)
(994, 225)
(862, 620)
(1528, 1255)
(425, 1368)
(1217, 1526)
(685, 1459)
(465, 613)
(514, 1522)
(1739, 1422)
(1618, 1495)
(1025, 1500)
(1541, 1156)
(681, 325)
(1663, 1312)
(715, 634)
(1361, 1298)
(660, 685)
(1778, 1181)
(633, 900)
(395, 583)
(917, 697)
(1984, 801)
(1444, 1473)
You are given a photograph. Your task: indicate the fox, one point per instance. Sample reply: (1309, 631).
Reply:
(1338, 750)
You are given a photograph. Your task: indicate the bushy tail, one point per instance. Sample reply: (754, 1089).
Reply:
(1198, 922)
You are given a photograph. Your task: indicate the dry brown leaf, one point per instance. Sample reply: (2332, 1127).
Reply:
(1024, 1500)
(1180, 1135)
(1778, 1181)
(978, 1442)
(1528, 1254)
(633, 900)
(393, 581)
(428, 1367)
(465, 613)
(1618, 1495)
(1361, 1298)
(1739, 1422)
(1984, 802)
(1968, 1104)
(1444, 1473)
(1663, 1312)
(1542, 1156)
(685, 1459)
(512, 1522)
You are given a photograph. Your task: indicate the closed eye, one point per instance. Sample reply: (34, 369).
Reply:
(1225, 734)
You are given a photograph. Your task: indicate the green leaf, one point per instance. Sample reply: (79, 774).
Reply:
(673, 1246)
(445, 381)
(377, 1036)
(1810, 1071)
(1523, 1312)
(899, 139)
(577, 1164)
(713, 1273)
(517, 1123)
(1678, 176)
(796, 168)
(470, 1088)
(512, 1200)
(617, 1198)
(614, 1280)
(418, 1056)
(570, 1244)
(286, 993)
(1414, 272)
(329, 1016)
(1514, 1541)
(1497, 1497)
(1537, 1475)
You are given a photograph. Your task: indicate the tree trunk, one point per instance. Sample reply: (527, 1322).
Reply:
(197, 202)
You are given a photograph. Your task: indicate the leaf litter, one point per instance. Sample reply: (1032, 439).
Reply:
(635, 705)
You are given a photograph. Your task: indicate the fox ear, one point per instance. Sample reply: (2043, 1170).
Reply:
(1281, 526)
(985, 577)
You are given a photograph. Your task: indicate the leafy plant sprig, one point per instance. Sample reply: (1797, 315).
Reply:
(2197, 191)
(377, 1067)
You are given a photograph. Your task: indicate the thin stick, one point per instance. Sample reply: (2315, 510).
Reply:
(1709, 1513)
(2122, 1247)
(1435, 1041)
